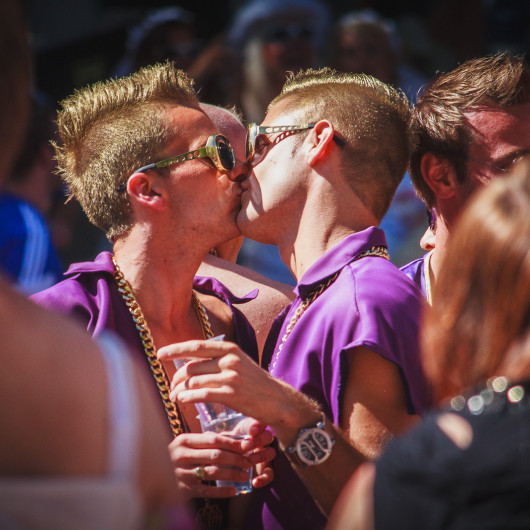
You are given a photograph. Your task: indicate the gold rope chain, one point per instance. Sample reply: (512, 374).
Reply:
(157, 369)
(379, 251)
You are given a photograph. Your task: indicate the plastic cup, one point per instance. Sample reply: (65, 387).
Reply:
(235, 425)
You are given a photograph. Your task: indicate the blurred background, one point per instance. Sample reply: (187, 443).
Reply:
(238, 52)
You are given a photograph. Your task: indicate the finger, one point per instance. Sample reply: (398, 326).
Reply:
(263, 439)
(209, 473)
(232, 473)
(256, 428)
(196, 349)
(265, 477)
(204, 395)
(215, 457)
(262, 456)
(207, 440)
(187, 381)
(199, 489)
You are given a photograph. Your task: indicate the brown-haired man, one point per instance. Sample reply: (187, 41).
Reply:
(472, 124)
(343, 357)
(150, 169)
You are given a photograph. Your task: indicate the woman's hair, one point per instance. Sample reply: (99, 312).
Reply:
(481, 303)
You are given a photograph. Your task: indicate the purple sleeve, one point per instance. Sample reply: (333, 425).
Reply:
(389, 306)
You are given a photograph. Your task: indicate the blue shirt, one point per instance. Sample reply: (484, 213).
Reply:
(27, 254)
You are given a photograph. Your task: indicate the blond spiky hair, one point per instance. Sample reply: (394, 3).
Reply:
(111, 128)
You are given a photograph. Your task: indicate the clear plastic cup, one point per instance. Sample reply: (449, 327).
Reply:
(235, 425)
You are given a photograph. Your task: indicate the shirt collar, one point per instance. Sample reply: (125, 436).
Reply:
(338, 257)
(102, 263)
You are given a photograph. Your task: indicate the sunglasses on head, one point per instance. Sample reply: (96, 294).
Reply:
(256, 149)
(217, 149)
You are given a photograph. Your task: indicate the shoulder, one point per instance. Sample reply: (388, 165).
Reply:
(268, 298)
(86, 286)
(242, 281)
(380, 284)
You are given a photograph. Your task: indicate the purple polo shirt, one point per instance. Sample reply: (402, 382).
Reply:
(415, 270)
(370, 304)
(89, 295)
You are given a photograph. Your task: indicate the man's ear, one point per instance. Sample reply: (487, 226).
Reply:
(146, 190)
(321, 137)
(439, 174)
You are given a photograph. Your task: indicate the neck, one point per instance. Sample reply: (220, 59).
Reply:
(161, 280)
(327, 218)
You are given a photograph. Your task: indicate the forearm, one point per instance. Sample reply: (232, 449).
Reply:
(326, 480)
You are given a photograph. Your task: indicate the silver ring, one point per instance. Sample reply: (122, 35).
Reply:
(199, 472)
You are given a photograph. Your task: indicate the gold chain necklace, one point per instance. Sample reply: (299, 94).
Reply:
(379, 251)
(159, 374)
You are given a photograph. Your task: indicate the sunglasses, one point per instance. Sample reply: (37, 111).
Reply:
(281, 34)
(218, 149)
(257, 143)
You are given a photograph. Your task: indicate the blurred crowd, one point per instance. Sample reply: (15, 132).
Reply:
(243, 65)
(379, 164)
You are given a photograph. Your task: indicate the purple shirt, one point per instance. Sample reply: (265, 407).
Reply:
(370, 304)
(415, 270)
(89, 294)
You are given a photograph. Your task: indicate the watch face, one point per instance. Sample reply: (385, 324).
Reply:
(313, 446)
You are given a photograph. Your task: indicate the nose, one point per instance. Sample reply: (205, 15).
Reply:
(240, 172)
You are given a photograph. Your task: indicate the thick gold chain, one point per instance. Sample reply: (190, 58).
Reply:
(379, 251)
(148, 344)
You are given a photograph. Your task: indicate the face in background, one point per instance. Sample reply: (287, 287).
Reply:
(500, 136)
(173, 40)
(365, 49)
(275, 191)
(201, 196)
(289, 43)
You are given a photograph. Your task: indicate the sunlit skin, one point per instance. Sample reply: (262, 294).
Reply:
(179, 215)
(499, 136)
(297, 197)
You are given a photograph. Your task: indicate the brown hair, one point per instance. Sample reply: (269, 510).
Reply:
(370, 116)
(110, 129)
(481, 303)
(439, 120)
(15, 83)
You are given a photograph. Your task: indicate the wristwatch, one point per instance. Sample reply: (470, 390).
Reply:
(312, 446)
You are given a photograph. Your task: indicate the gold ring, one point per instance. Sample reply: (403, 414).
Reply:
(199, 472)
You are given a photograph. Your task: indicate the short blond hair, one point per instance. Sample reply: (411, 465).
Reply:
(110, 129)
(370, 116)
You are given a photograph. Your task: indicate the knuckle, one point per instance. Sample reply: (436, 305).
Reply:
(215, 455)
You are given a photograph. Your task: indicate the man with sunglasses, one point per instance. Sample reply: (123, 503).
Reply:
(150, 168)
(344, 370)
(472, 124)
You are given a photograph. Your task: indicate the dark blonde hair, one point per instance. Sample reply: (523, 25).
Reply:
(481, 302)
(110, 129)
(439, 120)
(369, 115)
